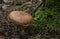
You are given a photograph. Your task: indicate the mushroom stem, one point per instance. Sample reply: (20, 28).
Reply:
(22, 30)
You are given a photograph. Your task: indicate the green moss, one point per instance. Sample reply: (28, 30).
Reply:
(48, 15)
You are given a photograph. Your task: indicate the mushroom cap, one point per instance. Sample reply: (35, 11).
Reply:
(20, 18)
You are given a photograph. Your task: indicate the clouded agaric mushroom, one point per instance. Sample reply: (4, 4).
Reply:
(20, 18)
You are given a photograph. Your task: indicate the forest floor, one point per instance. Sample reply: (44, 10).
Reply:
(11, 31)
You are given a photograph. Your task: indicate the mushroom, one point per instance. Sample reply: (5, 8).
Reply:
(21, 18)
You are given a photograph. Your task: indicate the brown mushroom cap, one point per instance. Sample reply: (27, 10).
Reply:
(20, 17)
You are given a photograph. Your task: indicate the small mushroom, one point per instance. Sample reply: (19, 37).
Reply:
(20, 18)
